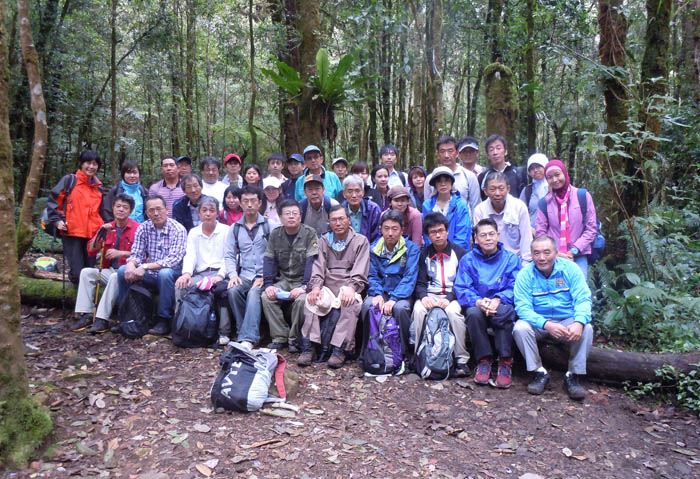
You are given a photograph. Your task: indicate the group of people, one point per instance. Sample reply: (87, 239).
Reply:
(503, 256)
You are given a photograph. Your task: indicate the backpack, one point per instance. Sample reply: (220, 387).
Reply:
(435, 357)
(237, 249)
(136, 311)
(245, 378)
(598, 244)
(194, 323)
(528, 194)
(381, 352)
(48, 226)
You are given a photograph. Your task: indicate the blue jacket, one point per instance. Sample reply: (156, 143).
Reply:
(460, 229)
(565, 294)
(181, 212)
(331, 183)
(371, 217)
(397, 276)
(480, 276)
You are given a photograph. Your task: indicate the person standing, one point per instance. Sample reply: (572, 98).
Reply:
(465, 181)
(232, 165)
(497, 149)
(184, 166)
(313, 163)
(468, 149)
(130, 184)
(295, 167)
(211, 186)
(169, 186)
(537, 189)
(388, 156)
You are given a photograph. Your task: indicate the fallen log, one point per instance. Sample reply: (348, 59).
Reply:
(45, 292)
(615, 366)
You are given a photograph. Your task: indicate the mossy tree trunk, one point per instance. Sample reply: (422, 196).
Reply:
(253, 87)
(22, 425)
(308, 23)
(435, 115)
(501, 102)
(689, 60)
(25, 229)
(530, 78)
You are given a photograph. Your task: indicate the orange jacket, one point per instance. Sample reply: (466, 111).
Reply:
(82, 208)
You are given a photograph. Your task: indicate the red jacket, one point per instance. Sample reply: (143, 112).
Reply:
(127, 239)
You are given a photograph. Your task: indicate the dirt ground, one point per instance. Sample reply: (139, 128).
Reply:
(141, 410)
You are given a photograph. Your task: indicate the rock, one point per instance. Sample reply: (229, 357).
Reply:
(529, 475)
(78, 361)
(411, 378)
(153, 475)
(291, 384)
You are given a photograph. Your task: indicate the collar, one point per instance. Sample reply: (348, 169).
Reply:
(399, 249)
(432, 252)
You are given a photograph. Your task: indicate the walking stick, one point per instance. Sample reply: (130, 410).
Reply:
(99, 271)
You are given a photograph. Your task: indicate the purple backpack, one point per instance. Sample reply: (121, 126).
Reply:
(381, 352)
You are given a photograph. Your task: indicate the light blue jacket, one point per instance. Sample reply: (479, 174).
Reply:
(331, 184)
(459, 217)
(480, 276)
(565, 294)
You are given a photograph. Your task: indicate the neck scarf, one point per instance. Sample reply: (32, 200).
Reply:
(562, 197)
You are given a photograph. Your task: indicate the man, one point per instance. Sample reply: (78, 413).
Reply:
(313, 162)
(232, 165)
(185, 209)
(289, 258)
(275, 163)
(497, 150)
(210, 177)
(184, 166)
(468, 149)
(204, 254)
(342, 266)
(552, 300)
(437, 269)
(393, 271)
(245, 249)
(388, 155)
(340, 168)
(156, 259)
(316, 206)
(169, 186)
(364, 214)
(464, 180)
(509, 213)
(295, 166)
(484, 287)
(116, 244)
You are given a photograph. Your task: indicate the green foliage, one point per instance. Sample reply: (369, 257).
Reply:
(288, 78)
(24, 425)
(672, 384)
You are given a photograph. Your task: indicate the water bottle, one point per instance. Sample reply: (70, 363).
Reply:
(211, 325)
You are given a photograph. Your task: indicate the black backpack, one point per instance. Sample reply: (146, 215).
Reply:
(194, 323)
(136, 311)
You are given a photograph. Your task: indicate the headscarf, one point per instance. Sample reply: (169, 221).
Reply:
(560, 193)
(562, 197)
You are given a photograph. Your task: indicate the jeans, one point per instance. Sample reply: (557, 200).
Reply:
(163, 280)
(582, 262)
(247, 310)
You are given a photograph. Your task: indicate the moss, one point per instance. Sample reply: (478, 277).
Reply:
(501, 102)
(23, 428)
(44, 291)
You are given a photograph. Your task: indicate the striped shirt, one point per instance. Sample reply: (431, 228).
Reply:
(170, 195)
(165, 246)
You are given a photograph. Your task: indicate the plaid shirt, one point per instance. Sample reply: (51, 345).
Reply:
(165, 247)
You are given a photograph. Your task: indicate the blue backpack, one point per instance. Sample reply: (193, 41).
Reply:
(381, 353)
(598, 244)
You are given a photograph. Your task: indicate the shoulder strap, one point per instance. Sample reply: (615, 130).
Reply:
(583, 203)
(236, 230)
(304, 206)
(542, 205)
(266, 230)
(528, 194)
(326, 204)
(72, 180)
(402, 177)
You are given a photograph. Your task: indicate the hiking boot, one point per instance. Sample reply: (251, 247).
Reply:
(276, 345)
(116, 329)
(337, 359)
(293, 348)
(505, 373)
(162, 328)
(224, 340)
(99, 326)
(539, 383)
(573, 388)
(84, 322)
(307, 353)
(483, 372)
(462, 370)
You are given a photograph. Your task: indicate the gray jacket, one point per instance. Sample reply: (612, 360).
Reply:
(245, 249)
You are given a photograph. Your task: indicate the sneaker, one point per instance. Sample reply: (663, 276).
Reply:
(247, 345)
(573, 388)
(99, 326)
(462, 370)
(337, 359)
(276, 345)
(483, 372)
(539, 383)
(83, 322)
(505, 373)
(224, 340)
(162, 328)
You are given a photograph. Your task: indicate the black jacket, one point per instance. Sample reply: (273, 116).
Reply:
(181, 212)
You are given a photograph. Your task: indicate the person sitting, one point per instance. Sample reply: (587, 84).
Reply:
(563, 217)
(211, 186)
(233, 165)
(342, 266)
(169, 186)
(116, 244)
(497, 151)
(245, 248)
(399, 200)
(437, 269)
(313, 163)
(364, 213)
(204, 254)
(316, 205)
(231, 211)
(553, 300)
(289, 258)
(361, 169)
(295, 166)
(156, 259)
(451, 205)
(130, 184)
(416, 185)
(509, 213)
(185, 209)
(393, 270)
(484, 287)
(537, 189)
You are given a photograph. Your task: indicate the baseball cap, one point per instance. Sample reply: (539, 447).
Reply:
(295, 157)
(271, 182)
(311, 148)
(232, 157)
(183, 158)
(313, 178)
(339, 160)
(468, 144)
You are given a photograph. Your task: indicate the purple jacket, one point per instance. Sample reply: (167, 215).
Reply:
(581, 237)
(370, 227)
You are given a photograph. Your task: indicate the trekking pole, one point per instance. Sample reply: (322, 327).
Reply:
(99, 279)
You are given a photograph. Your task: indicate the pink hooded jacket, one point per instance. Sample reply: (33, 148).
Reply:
(582, 236)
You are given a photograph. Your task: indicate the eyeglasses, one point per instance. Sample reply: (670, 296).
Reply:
(290, 214)
(488, 234)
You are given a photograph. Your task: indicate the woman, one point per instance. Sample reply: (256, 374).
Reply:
(361, 169)
(131, 185)
(74, 208)
(562, 218)
(380, 178)
(252, 175)
(538, 189)
(399, 200)
(416, 184)
(232, 211)
(273, 197)
(450, 204)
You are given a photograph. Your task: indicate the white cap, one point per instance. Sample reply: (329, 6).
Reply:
(271, 182)
(469, 144)
(441, 171)
(537, 159)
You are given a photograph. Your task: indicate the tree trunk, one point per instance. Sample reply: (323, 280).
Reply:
(113, 101)
(689, 59)
(493, 23)
(308, 24)
(385, 69)
(501, 103)
(23, 425)
(191, 40)
(253, 86)
(530, 79)
(435, 117)
(25, 229)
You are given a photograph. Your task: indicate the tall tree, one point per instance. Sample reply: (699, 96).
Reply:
(191, 40)
(530, 77)
(308, 23)
(501, 103)
(435, 120)
(113, 100)
(688, 65)
(253, 87)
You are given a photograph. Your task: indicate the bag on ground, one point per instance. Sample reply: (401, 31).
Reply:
(381, 352)
(245, 378)
(435, 358)
(136, 311)
(194, 323)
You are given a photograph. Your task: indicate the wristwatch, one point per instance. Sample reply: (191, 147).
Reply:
(144, 266)
(574, 251)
